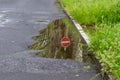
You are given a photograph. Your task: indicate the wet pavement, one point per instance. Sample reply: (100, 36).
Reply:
(19, 21)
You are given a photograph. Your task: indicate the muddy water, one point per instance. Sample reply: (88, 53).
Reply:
(48, 40)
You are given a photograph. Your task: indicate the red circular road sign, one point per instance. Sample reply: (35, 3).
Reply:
(65, 42)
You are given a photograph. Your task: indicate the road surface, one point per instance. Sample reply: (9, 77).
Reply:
(19, 21)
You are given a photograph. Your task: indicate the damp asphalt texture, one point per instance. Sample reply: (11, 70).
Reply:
(19, 21)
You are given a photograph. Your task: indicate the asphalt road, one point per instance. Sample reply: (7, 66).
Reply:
(19, 21)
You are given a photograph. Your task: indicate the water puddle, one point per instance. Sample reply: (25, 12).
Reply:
(3, 20)
(49, 40)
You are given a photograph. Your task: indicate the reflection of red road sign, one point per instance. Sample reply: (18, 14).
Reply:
(65, 42)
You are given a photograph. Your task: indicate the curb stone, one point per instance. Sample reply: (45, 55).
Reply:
(86, 40)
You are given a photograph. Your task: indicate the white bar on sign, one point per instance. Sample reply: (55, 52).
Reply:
(65, 42)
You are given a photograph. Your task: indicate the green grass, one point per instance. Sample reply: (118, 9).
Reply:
(106, 45)
(93, 11)
(104, 16)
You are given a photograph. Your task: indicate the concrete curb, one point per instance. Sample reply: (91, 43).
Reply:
(86, 41)
(79, 28)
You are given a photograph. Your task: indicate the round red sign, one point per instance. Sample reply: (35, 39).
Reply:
(65, 42)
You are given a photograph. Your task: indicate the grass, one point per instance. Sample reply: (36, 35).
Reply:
(106, 45)
(93, 11)
(104, 16)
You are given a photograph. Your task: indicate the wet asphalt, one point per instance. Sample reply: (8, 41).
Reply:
(19, 21)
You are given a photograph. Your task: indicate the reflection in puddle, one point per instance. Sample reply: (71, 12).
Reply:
(1, 16)
(48, 40)
(3, 20)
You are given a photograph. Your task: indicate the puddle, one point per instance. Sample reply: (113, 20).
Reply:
(1, 16)
(49, 40)
(3, 20)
